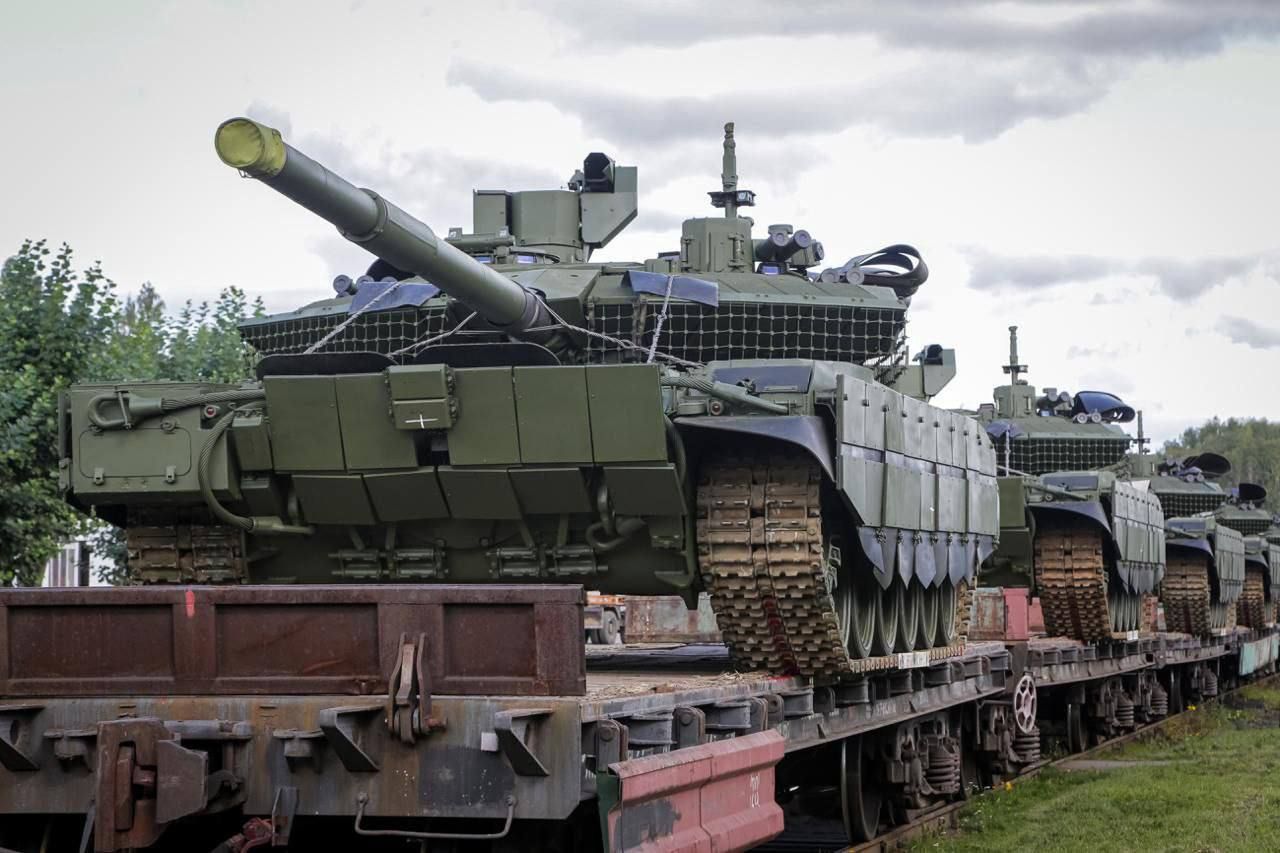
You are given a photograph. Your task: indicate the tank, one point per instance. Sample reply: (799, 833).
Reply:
(494, 407)
(1072, 524)
(1268, 544)
(1204, 576)
(1244, 513)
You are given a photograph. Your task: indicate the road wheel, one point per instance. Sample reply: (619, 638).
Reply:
(888, 603)
(908, 614)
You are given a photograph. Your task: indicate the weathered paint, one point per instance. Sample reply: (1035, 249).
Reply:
(667, 619)
(714, 797)
(288, 640)
(1259, 654)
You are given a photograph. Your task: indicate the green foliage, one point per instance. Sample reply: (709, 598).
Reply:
(57, 327)
(200, 344)
(1252, 445)
(52, 320)
(1205, 782)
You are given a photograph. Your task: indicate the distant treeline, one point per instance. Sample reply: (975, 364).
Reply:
(59, 326)
(1251, 445)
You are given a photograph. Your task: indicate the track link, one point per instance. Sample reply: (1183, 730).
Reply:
(187, 552)
(1186, 595)
(761, 556)
(1072, 582)
(760, 550)
(1252, 606)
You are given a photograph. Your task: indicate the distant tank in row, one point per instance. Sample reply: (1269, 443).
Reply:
(1206, 572)
(1244, 512)
(1089, 540)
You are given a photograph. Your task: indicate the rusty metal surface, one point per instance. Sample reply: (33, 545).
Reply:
(270, 744)
(288, 640)
(542, 750)
(476, 752)
(666, 619)
(989, 616)
(1059, 660)
(717, 796)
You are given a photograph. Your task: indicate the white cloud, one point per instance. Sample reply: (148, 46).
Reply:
(1244, 331)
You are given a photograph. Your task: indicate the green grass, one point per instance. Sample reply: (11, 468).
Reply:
(1220, 793)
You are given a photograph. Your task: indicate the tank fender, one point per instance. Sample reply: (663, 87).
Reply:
(959, 557)
(965, 553)
(940, 557)
(875, 542)
(926, 564)
(984, 547)
(808, 432)
(1093, 511)
(906, 554)
(933, 558)
(1193, 544)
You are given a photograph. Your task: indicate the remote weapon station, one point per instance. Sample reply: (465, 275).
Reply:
(492, 407)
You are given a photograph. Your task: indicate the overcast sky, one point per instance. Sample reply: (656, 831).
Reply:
(1105, 175)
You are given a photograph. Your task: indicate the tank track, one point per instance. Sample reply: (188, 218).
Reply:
(964, 610)
(187, 552)
(1185, 594)
(760, 553)
(1072, 582)
(1252, 606)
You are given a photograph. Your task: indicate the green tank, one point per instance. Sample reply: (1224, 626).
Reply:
(1071, 524)
(1243, 512)
(494, 407)
(1205, 574)
(1269, 545)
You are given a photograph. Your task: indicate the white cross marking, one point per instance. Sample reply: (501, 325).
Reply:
(421, 421)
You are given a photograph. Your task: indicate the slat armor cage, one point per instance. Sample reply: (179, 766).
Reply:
(374, 331)
(1049, 455)
(1247, 526)
(691, 332)
(1187, 504)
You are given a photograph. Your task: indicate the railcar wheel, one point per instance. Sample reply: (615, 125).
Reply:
(860, 797)
(1025, 704)
(970, 775)
(908, 614)
(1077, 736)
(887, 606)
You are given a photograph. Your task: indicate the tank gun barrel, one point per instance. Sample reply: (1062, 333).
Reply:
(365, 218)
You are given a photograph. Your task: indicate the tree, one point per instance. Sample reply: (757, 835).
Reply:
(1252, 445)
(201, 344)
(51, 322)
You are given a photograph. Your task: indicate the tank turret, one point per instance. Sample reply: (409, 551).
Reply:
(405, 243)
(1189, 485)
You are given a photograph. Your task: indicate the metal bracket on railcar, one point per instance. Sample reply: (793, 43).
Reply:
(409, 693)
(146, 779)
